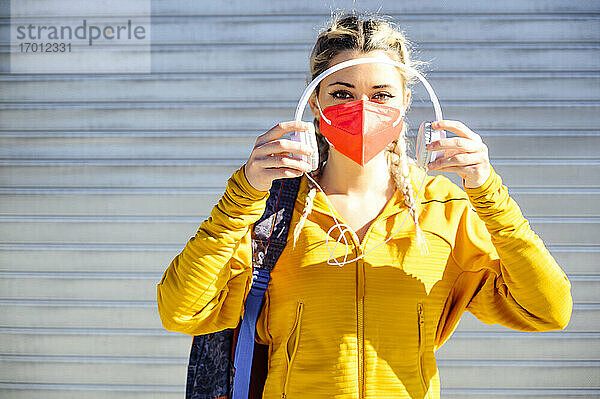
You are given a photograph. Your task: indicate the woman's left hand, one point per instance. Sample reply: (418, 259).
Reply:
(466, 155)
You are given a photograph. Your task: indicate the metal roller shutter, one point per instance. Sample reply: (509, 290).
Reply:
(104, 177)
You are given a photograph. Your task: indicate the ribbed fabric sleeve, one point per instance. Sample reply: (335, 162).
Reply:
(520, 286)
(204, 287)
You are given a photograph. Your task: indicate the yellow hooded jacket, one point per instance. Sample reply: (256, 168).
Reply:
(368, 329)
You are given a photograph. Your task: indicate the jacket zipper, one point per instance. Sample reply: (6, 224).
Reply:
(421, 319)
(361, 327)
(360, 306)
(360, 302)
(296, 334)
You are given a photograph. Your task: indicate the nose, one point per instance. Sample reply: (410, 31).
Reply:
(364, 97)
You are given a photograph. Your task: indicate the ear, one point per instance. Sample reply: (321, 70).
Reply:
(313, 106)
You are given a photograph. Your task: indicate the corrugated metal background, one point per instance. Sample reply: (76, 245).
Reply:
(104, 178)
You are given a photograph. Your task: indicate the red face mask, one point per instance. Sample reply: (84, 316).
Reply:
(360, 129)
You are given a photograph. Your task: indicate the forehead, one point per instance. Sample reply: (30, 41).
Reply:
(364, 74)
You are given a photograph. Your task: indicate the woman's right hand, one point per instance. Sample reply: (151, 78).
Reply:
(270, 158)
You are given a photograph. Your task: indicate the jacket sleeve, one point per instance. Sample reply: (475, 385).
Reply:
(204, 287)
(508, 275)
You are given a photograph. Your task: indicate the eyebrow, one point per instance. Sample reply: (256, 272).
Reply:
(381, 86)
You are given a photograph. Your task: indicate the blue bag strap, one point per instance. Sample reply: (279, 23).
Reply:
(269, 237)
(244, 349)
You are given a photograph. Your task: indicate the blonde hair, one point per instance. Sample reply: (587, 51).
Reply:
(365, 33)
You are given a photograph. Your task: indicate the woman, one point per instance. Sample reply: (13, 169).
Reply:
(371, 327)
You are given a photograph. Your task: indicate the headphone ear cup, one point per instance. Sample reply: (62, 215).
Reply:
(310, 139)
(425, 136)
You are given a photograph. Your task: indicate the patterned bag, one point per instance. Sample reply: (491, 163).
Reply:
(215, 357)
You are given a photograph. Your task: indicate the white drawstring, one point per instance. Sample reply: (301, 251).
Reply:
(343, 228)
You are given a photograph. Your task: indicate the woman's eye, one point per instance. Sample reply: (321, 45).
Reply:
(341, 94)
(344, 95)
(383, 96)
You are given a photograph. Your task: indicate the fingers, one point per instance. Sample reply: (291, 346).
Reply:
(466, 155)
(281, 173)
(283, 161)
(456, 143)
(280, 147)
(461, 160)
(279, 130)
(456, 127)
(270, 159)
(473, 175)
(466, 150)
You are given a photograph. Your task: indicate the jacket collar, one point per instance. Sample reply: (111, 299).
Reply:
(393, 206)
